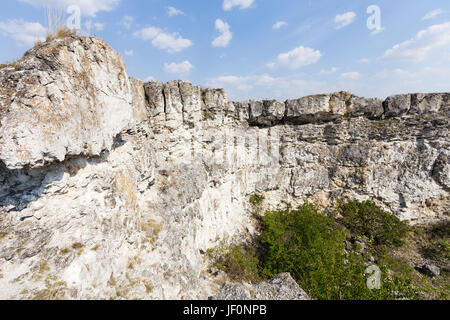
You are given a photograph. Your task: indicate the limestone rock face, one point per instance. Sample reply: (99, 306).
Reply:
(414, 104)
(111, 188)
(282, 287)
(68, 97)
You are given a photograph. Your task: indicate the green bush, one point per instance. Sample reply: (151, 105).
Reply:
(308, 245)
(437, 246)
(311, 247)
(256, 200)
(368, 220)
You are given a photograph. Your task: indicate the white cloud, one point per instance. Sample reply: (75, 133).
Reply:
(129, 53)
(171, 11)
(178, 68)
(364, 60)
(271, 65)
(328, 72)
(227, 80)
(433, 14)
(99, 26)
(343, 20)
(394, 73)
(246, 82)
(88, 7)
(127, 22)
(299, 57)
(149, 78)
(266, 80)
(242, 4)
(23, 32)
(425, 42)
(245, 87)
(351, 76)
(172, 42)
(412, 78)
(224, 39)
(263, 86)
(279, 25)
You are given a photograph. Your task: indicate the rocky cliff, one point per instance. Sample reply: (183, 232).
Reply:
(111, 188)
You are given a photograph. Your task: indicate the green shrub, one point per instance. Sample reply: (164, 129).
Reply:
(306, 244)
(368, 220)
(438, 243)
(311, 247)
(256, 201)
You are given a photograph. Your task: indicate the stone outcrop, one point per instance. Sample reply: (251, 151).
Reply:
(68, 99)
(282, 287)
(111, 188)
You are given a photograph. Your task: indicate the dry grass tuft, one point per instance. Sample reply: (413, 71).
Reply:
(56, 24)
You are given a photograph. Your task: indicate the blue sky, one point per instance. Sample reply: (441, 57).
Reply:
(261, 48)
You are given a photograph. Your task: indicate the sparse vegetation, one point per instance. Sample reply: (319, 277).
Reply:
(152, 229)
(77, 246)
(239, 262)
(42, 268)
(112, 282)
(61, 33)
(437, 245)
(208, 114)
(54, 290)
(148, 286)
(15, 64)
(65, 251)
(56, 24)
(257, 200)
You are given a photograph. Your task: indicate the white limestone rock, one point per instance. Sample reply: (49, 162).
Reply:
(72, 96)
(281, 287)
(110, 188)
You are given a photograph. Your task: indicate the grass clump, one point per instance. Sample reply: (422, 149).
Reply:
(56, 25)
(54, 290)
(61, 34)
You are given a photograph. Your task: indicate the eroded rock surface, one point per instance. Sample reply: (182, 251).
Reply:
(111, 188)
(282, 287)
(69, 97)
